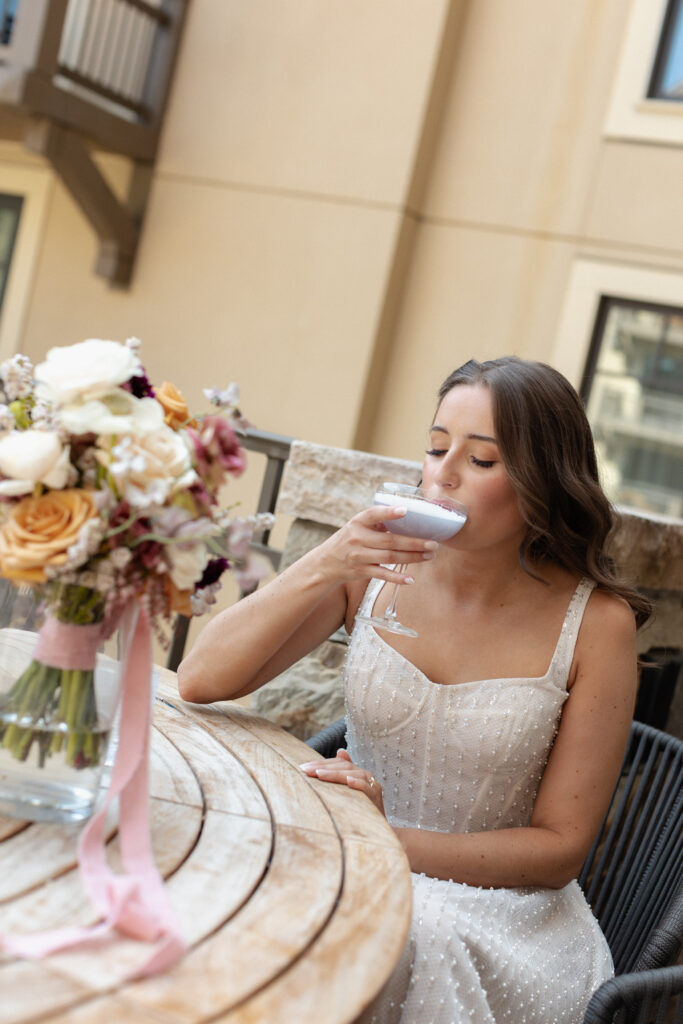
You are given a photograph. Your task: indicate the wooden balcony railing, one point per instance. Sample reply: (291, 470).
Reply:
(93, 73)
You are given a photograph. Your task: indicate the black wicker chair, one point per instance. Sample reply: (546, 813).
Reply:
(632, 877)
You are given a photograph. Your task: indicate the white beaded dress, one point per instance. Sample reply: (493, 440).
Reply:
(468, 758)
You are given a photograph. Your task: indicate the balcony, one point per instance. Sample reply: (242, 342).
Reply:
(84, 75)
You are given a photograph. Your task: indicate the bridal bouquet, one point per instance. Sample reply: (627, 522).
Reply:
(109, 492)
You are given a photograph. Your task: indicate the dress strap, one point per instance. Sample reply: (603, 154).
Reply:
(564, 651)
(369, 597)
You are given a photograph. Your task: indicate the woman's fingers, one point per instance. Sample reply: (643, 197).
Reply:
(342, 771)
(369, 538)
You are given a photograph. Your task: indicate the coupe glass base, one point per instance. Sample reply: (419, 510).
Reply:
(390, 625)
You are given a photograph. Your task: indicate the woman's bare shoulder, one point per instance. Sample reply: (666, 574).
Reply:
(606, 644)
(609, 612)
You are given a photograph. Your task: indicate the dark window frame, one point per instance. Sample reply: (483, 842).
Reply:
(9, 201)
(606, 304)
(674, 12)
(8, 13)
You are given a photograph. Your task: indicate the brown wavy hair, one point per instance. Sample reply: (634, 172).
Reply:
(546, 445)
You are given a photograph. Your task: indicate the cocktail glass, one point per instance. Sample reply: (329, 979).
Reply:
(428, 518)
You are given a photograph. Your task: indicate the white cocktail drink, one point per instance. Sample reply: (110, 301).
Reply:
(424, 518)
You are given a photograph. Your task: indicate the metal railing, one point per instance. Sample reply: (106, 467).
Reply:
(276, 449)
(106, 50)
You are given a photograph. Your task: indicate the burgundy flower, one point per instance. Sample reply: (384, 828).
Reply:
(139, 386)
(213, 572)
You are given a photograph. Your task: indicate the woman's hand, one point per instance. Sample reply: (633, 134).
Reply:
(364, 547)
(342, 770)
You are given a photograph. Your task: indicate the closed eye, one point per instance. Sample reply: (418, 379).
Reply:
(436, 451)
(486, 463)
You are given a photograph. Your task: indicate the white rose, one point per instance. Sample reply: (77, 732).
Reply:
(187, 564)
(85, 370)
(29, 457)
(148, 469)
(115, 412)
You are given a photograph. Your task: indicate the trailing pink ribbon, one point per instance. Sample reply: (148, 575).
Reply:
(135, 904)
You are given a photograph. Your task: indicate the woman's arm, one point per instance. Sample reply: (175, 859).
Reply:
(263, 634)
(577, 783)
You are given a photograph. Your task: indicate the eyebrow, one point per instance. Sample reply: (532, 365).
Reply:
(470, 437)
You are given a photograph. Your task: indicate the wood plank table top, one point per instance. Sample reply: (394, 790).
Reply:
(293, 895)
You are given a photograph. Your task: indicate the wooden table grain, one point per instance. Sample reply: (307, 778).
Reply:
(293, 895)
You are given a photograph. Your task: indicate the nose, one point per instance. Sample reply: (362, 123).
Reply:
(448, 473)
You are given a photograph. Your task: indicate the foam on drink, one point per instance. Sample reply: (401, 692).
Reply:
(423, 519)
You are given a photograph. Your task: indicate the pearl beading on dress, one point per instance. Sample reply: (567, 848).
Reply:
(464, 758)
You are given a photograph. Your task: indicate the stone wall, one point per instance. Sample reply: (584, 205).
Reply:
(323, 488)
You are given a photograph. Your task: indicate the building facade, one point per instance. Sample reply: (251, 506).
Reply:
(349, 198)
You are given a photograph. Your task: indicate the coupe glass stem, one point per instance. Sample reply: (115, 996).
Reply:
(390, 613)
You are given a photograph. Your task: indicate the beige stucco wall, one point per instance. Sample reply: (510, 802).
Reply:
(352, 197)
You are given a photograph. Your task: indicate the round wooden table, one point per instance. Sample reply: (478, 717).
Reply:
(293, 895)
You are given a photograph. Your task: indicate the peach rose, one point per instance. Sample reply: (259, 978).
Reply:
(39, 532)
(176, 413)
(178, 600)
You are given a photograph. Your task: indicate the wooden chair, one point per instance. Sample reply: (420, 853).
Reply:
(632, 877)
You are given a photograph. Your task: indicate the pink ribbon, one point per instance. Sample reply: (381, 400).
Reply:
(136, 903)
(63, 645)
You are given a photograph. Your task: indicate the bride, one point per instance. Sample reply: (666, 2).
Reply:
(492, 742)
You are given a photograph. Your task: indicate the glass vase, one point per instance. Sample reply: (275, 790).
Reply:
(58, 720)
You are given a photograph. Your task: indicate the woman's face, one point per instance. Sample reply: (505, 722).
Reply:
(463, 461)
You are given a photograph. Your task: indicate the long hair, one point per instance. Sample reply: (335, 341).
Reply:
(547, 448)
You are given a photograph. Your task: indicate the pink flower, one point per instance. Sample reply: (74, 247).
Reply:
(217, 451)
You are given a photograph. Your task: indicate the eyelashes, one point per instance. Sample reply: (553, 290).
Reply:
(484, 463)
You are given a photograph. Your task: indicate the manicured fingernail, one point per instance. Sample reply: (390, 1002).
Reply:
(408, 579)
(431, 545)
(400, 510)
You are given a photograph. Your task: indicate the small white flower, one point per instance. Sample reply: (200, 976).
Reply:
(44, 416)
(86, 370)
(263, 521)
(202, 600)
(134, 344)
(114, 413)
(120, 557)
(254, 569)
(7, 421)
(187, 563)
(104, 499)
(149, 469)
(29, 457)
(228, 398)
(88, 579)
(17, 377)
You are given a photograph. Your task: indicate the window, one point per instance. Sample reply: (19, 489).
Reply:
(633, 389)
(8, 10)
(10, 211)
(647, 99)
(667, 75)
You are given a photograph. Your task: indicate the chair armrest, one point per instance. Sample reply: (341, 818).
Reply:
(658, 989)
(328, 741)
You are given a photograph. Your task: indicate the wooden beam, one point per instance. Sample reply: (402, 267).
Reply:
(116, 228)
(50, 37)
(43, 98)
